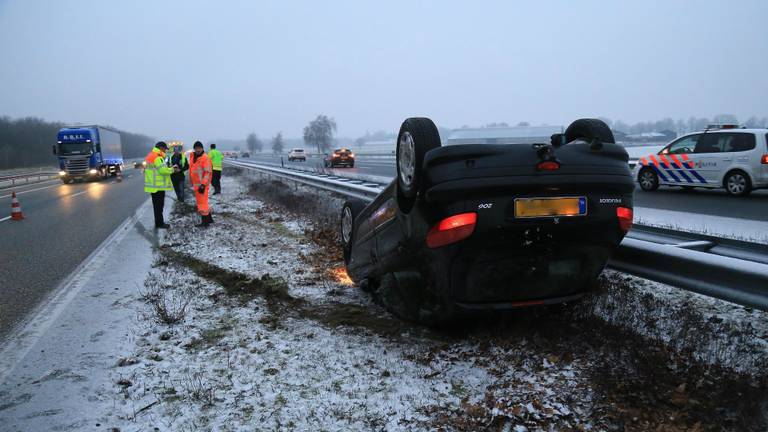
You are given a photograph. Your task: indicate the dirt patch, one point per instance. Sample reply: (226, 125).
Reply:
(234, 283)
(274, 290)
(334, 315)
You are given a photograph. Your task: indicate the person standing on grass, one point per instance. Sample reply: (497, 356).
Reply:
(180, 160)
(200, 173)
(157, 180)
(217, 160)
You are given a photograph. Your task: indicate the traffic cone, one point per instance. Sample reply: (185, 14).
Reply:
(15, 208)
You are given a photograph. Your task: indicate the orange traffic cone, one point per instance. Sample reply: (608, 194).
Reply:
(15, 208)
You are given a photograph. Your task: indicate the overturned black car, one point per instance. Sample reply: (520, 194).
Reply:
(490, 226)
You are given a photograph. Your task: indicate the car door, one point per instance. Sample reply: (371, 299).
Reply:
(737, 148)
(675, 165)
(708, 157)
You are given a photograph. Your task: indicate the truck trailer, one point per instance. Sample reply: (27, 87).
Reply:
(88, 153)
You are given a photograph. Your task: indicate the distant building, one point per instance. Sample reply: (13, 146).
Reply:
(503, 135)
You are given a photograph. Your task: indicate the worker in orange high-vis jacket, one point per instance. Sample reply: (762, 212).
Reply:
(200, 173)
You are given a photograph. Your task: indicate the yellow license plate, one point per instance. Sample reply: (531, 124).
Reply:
(550, 207)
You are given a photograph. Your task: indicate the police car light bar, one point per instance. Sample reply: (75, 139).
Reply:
(723, 126)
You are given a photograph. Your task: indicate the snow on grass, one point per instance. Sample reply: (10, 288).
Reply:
(714, 332)
(273, 338)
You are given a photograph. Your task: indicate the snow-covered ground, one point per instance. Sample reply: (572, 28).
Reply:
(251, 325)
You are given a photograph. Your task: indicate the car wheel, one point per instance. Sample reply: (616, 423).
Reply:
(589, 130)
(689, 188)
(737, 183)
(404, 294)
(417, 136)
(349, 213)
(648, 180)
(352, 165)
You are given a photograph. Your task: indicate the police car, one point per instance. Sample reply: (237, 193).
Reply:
(721, 156)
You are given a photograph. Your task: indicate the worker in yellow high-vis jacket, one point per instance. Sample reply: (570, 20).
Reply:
(217, 160)
(157, 180)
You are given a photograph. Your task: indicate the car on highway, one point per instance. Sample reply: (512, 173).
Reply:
(721, 156)
(341, 157)
(490, 226)
(245, 155)
(297, 154)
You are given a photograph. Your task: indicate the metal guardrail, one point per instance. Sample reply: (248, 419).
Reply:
(728, 269)
(15, 179)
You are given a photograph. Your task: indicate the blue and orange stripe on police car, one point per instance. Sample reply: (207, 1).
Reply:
(670, 165)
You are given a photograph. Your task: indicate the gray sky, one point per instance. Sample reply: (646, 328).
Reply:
(203, 70)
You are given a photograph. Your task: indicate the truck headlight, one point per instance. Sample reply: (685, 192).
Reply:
(93, 171)
(62, 173)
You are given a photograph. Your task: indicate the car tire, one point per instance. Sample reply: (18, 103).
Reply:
(349, 212)
(648, 180)
(404, 294)
(588, 130)
(417, 136)
(689, 188)
(737, 183)
(352, 165)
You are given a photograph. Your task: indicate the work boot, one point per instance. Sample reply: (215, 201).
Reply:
(206, 220)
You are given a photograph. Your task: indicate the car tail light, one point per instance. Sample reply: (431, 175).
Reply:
(625, 218)
(548, 166)
(452, 229)
(764, 159)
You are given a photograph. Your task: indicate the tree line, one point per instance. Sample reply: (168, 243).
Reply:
(28, 142)
(318, 133)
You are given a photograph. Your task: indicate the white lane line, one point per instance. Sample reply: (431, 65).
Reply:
(31, 190)
(5, 219)
(48, 187)
(30, 184)
(79, 193)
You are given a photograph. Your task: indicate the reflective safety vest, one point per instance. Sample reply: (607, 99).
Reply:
(216, 159)
(200, 170)
(157, 176)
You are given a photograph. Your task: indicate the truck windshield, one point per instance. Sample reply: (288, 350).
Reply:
(74, 148)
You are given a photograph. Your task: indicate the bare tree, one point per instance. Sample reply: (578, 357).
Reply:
(254, 143)
(277, 143)
(319, 132)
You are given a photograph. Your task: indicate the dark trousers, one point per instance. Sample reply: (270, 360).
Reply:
(216, 181)
(178, 186)
(158, 200)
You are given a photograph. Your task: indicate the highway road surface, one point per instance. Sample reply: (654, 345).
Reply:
(63, 224)
(697, 202)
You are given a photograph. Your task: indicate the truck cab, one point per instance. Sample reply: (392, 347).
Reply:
(88, 153)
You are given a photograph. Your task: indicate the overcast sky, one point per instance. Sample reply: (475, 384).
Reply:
(203, 70)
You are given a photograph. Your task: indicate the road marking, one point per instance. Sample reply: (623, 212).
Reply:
(5, 219)
(31, 190)
(24, 337)
(79, 193)
(48, 187)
